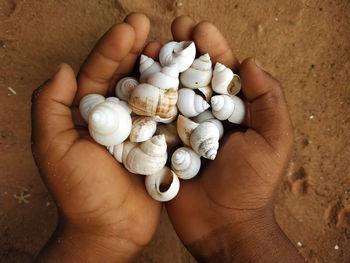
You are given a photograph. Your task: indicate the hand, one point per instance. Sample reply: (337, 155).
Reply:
(225, 214)
(105, 213)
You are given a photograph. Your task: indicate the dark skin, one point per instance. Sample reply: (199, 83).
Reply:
(105, 213)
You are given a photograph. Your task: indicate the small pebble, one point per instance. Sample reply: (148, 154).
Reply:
(179, 4)
(276, 19)
(336, 247)
(311, 117)
(299, 244)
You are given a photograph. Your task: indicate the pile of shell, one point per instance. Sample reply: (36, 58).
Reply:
(141, 126)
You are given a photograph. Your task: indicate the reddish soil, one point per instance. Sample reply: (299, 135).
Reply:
(303, 43)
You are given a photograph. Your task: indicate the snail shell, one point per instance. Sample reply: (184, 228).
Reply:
(180, 53)
(144, 158)
(147, 100)
(229, 108)
(199, 74)
(124, 87)
(207, 92)
(185, 163)
(109, 123)
(147, 67)
(87, 103)
(166, 78)
(163, 185)
(190, 104)
(122, 103)
(224, 81)
(203, 138)
(209, 117)
(142, 129)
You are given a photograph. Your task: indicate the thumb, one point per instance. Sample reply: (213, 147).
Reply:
(268, 112)
(52, 123)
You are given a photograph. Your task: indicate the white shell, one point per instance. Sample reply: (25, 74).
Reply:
(180, 53)
(229, 108)
(166, 78)
(167, 120)
(207, 92)
(185, 163)
(147, 67)
(166, 179)
(208, 116)
(203, 138)
(145, 158)
(224, 81)
(87, 103)
(124, 87)
(199, 74)
(117, 151)
(109, 123)
(184, 129)
(190, 104)
(122, 103)
(142, 129)
(148, 100)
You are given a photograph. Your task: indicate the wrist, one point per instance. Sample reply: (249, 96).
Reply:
(257, 239)
(70, 243)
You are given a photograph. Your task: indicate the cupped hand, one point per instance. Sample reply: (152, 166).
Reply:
(105, 213)
(231, 200)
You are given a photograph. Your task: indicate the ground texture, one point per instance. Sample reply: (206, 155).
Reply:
(303, 43)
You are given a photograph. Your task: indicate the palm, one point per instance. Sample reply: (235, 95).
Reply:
(98, 191)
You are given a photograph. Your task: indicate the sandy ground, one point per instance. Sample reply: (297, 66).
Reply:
(304, 43)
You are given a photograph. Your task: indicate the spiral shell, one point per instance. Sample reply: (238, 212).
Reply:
(199, 74)
(163, 185)
(147, 67)
(229, 108)
(166, 78)
(122, 103)
(224, 81)
(145, 158)
(209, 117)
(180, 53)
(147, 100)
(109, 123)
(203, 138)
(190, 104)
(124, 87)
(142, 129)
(87, 103)
(185, 163)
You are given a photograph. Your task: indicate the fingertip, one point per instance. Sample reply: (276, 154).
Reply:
(255, 80)
(210, 40)
(113, 41)
(141, 25)
(62, 86)
(182, 28)
(152, 49)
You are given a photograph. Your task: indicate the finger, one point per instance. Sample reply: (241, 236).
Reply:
(51, 114)
(182, 28)
(152, 49)
(141, 26)
(209, 39)
(268, 109)
(99, 68)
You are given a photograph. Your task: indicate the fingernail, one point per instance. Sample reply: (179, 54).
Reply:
(58, 69)
(258, 64)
